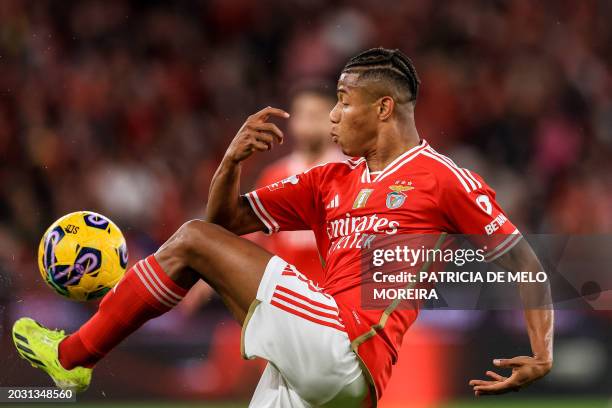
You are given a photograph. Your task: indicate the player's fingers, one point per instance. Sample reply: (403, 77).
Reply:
(260, 146)
(475, 383)
(496, 388)
(509, 362)
(270, 128)
(263, 137)
(495, 376)
(485, 392)
(268, 111)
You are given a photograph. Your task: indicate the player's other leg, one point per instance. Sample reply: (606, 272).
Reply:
(153, 286)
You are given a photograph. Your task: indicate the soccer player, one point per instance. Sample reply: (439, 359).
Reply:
(309, 128)
(323, 348)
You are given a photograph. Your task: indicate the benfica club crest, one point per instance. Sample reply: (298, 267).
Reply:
(396, 197)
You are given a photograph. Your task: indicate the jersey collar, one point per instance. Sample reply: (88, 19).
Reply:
(395, 165)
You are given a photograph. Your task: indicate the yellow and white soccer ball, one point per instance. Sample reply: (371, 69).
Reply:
(82, 255)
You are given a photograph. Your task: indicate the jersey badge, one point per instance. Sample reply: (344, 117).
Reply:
(396, 197)
(484, 203)
(362, 198)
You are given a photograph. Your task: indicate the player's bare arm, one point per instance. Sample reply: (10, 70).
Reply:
(225, 205)
(539, 319)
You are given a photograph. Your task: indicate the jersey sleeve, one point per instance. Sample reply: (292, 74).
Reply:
(470, 205)
(287, 205)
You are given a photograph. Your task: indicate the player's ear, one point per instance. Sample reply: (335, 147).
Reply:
(386, 105)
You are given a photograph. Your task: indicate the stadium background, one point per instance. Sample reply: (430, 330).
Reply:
(126, 107)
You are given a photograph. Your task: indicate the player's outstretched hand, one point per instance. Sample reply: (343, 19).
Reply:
(525, 370)
(256, 134)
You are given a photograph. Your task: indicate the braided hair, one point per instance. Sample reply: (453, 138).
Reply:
(383, 63)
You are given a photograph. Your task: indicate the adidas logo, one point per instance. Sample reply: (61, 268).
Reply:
(334, 203)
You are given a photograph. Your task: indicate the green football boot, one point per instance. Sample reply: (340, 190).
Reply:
(39, 346)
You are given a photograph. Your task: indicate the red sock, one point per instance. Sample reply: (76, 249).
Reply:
(144, 292)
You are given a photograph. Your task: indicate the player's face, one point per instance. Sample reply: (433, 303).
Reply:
(309, 123)
(354, 118)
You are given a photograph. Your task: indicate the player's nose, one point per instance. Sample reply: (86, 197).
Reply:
(334, 115)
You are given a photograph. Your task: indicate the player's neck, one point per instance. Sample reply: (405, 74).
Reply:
(390, 145)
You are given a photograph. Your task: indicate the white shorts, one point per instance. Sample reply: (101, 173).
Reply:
(297, 328)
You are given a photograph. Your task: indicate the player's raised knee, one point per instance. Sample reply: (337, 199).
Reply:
(192, 233)
(190, 238)
(195, 235)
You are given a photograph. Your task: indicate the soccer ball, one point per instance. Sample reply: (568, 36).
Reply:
(82, 255)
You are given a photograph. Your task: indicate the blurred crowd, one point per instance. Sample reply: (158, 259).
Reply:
(126, 107)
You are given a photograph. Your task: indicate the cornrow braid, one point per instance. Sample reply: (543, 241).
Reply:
(386, 62)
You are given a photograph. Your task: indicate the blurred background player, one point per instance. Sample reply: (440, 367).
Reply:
(309, 129)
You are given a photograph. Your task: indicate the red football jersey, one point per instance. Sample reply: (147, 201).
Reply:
(296, 247)
(420, 192)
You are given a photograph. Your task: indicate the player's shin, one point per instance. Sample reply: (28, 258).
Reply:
(145, 292)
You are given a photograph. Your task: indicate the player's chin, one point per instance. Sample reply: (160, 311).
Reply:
(345, 151)
(351, 152)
